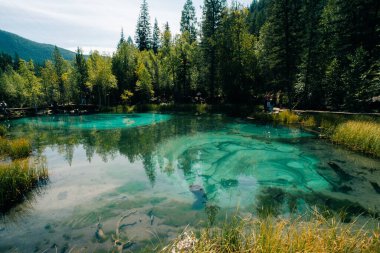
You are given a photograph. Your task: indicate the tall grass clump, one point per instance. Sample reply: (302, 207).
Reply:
(287, 117)
(19, 148)
(280, 235)
(362, 136)
(18, 178)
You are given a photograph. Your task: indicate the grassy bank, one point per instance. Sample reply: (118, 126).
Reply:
(356, 132)
(19, 173)
(280, 235)
(359, 135)
(18, 178)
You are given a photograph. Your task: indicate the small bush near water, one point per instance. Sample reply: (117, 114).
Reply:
(280, 235)
(18, 178)
(359, 135)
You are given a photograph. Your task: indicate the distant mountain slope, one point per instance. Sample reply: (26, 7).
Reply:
(26, 49)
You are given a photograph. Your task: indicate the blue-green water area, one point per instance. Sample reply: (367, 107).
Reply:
(145, 177)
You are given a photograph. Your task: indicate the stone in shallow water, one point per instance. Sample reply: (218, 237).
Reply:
(200, 196)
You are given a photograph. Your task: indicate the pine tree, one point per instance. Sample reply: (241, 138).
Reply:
(122, 38)
(59, 65)
(236, 56)
(143, 29)
(166, 38)
(81, 73)
(156, 37)
(281, 38)
(258, 15)
(308, 86)
(130, 40)
(189, 20)
(212, 16)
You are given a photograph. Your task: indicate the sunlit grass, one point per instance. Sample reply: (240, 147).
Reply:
(363, 136)
(280, 235)
(287, 117)
(18, 178)
(308, 121)
(19, 148)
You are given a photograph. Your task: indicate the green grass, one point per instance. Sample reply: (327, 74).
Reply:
(279, 235)
(362, 136)
(18, 178)
(3, 130)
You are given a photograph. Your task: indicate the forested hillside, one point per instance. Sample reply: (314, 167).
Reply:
(308, 54)
(13, 44)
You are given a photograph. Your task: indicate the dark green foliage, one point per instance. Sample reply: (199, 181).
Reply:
(81, 74)
(212, 17)
(258, 15)
(236, 57)
(307, 54)
(156, 37)
(29, 50)
(123, 67)
(143, 30)
(281, 38)
(189, 20)
(5, 61)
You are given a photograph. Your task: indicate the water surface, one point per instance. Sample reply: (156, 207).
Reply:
(170, 171)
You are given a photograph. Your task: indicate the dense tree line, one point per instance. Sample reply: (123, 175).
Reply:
(320, 54)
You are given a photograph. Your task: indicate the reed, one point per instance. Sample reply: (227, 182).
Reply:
(18, 178)
(280, 235)
(362, 136)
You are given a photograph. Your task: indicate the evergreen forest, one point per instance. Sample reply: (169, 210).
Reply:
(306, 54)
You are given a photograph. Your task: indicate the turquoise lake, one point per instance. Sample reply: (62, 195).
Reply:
(168, 172)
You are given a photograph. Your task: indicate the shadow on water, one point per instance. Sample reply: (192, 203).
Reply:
(188, 170)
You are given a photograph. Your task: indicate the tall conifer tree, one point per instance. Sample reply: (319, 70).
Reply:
(212, 17)
(156, 37)
(189, 20)
(143, 29)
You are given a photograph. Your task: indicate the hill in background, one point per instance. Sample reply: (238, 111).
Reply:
(26, 49)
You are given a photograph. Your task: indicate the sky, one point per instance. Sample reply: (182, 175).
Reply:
(88, 24)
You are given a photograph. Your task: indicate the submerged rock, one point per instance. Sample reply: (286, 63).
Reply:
(99, 234)
(200, 195)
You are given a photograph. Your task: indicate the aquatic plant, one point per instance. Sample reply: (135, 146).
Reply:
(362, 136)
(19, 148)
(270, 234)
(18, 178)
